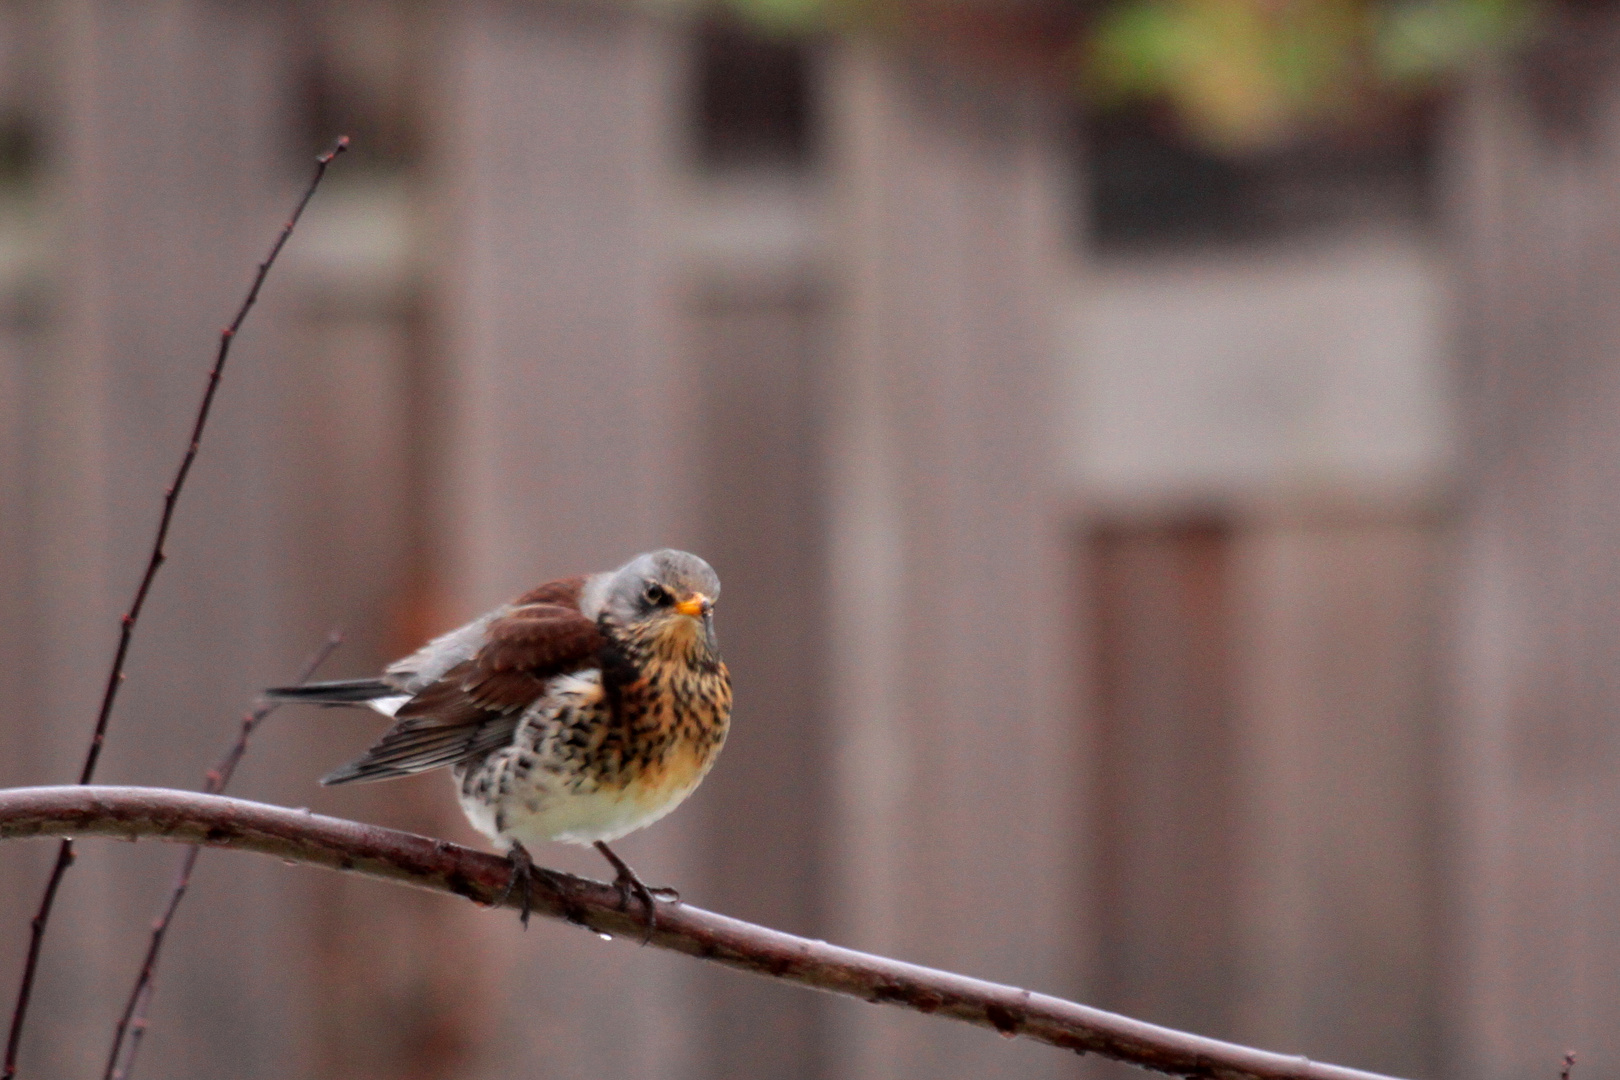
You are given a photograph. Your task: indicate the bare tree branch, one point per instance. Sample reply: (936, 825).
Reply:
(132, 1021)
(126, 633)
(299, 836)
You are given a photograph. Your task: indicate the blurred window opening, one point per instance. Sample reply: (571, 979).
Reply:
(19, 151)
(359, 66)
(27, 227)
(356, 70)
(1153, 185)
(752, 100)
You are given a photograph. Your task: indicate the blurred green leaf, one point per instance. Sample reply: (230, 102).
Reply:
(1423, 40)
(782, 16)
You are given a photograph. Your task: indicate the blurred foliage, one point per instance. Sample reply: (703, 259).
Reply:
(1239, 74)
(1244, 74)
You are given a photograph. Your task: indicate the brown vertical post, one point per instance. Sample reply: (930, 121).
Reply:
(568, 421)
(1335, 923)
(19, 361)
(1534, 804)
(955, 781)
(163, 165)
(759, 341)
(1167, 818)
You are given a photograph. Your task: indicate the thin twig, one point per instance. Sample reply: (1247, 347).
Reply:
(1569, 1064)
(115, 676)
(300, 836)
(132, 1022)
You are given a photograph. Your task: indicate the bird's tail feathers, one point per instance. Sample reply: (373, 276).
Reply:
(336, 692)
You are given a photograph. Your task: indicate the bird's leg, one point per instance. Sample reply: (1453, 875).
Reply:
(523, 874)
(627, 882)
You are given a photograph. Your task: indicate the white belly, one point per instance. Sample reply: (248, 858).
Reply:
(531, 812)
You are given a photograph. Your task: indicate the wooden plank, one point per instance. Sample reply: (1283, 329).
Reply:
(1167, 808)
(1533, 806)
(164, 135)
(1266, 701)
(945, 594)
(764, 811)
(1337, 914)
(551, 127)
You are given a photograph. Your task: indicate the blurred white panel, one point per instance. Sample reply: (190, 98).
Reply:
(763, 224)
(1252, 374)
(358, 246)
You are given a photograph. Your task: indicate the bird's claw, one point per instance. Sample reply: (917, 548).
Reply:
(628, 884)
(523, 874)
(633, 884)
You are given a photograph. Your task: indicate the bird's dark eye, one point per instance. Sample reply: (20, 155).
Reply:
(657, 595)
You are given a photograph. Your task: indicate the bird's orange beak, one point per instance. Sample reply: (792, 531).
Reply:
(697, 605)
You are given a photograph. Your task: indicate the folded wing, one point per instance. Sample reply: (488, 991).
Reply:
(475, 706)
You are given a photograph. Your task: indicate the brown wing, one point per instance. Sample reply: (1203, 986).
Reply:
(475, 707)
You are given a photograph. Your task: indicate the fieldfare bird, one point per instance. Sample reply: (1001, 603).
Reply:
(581, 711)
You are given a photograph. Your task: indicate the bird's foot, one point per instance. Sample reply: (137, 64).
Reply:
(629, 884)
(523, 874)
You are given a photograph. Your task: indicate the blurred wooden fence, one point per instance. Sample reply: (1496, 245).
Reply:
(1266, 771)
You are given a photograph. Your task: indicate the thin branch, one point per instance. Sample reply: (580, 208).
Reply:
(132, 1022)
(1569, 1065)
(115, 676)
(387, 855)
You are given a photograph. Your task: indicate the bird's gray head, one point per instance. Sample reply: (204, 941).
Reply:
(669, 590)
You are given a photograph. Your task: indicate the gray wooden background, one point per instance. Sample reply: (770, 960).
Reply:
(1326, 762)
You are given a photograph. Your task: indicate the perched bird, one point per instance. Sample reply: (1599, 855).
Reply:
(581, 711)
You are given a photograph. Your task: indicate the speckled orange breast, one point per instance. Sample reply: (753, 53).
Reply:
(673, 721)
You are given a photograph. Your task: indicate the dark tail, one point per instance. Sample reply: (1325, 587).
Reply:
(339, 692)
